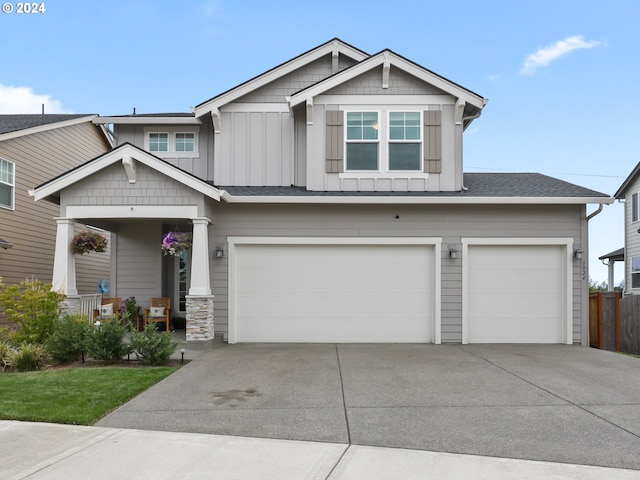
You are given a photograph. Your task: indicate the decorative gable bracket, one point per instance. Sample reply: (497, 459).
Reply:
(129, 165)
(215, 117)
(459, 113)
(386, 69)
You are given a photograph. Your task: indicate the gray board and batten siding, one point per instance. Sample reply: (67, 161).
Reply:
(449, 222)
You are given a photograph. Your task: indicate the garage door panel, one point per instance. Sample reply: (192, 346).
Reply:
(516, 293)
(334, 293)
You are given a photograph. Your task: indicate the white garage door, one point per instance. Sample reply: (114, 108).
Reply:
(516, 293)
(334, 293)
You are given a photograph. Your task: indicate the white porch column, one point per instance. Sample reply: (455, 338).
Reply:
(64, 264)
(200, 283)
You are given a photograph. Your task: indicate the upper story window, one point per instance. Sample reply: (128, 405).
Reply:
(7, 183)
(392, 145)
(362, 141)
(635, 272)
(158, 142)
(172, 141)
(634, 207)
(185, 142)
(405, 141)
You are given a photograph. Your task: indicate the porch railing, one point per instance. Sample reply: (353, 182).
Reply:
(89, 303)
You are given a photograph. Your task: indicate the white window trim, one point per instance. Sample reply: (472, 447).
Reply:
(13, 187)
(378, 141)
(171, 148)
(383, 141)
(389, 142)
(635, 204)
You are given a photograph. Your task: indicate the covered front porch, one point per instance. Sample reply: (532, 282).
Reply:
(138, 198)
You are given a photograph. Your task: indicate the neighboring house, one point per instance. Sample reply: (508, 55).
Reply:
(327, 203)
(34, 148)
(629, 193)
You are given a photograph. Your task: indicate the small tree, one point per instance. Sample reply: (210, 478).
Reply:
(33, 307)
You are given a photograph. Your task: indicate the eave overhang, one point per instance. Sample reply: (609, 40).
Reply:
(388, 57)
(329, 48)
(144, 120)
(411, 200)
(127, 154)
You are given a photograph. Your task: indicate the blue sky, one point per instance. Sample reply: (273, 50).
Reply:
(559, 75)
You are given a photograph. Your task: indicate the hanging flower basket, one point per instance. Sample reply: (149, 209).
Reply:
(87, 241)
(174, 243)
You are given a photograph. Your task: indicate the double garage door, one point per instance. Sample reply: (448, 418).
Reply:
(375, 292)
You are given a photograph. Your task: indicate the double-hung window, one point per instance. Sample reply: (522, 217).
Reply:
(7, 183)
(158, 142)
(405, 141)
(362, 142)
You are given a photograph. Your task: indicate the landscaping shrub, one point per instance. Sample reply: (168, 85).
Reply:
(33, 307)
(105, 341)
(6, 351)
(153, 347)
(28, 357)
(69, 338)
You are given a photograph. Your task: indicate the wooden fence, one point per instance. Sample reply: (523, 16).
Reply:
(604, 320)
(630, 324)
(614, 322)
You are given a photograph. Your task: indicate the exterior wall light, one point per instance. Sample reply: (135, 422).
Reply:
(453, 253)
(219, 252)
(578, 254)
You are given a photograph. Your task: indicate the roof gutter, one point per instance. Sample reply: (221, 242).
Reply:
(593, 214)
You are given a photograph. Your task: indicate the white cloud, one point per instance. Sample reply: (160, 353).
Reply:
(23, 100)
(545, 56)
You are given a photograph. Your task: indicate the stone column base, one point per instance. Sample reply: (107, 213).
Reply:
(199, 317)
(70, 305)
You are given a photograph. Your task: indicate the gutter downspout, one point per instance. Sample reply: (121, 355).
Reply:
(470, 117)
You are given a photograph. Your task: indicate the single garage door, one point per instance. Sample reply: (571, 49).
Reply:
(334, 293)
(516, 293)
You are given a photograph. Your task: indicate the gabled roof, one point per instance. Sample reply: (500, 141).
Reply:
(481, 188)
(128, 154)
(18, 125)
(630, 179)
(269, 76)
(393, 60)
(616, 255)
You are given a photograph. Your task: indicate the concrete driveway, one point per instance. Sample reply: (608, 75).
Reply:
(555, 403)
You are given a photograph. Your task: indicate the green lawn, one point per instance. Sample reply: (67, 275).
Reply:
(78, 396)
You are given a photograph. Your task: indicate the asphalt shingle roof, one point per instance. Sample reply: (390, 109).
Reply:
(14, 123)
(477, 184)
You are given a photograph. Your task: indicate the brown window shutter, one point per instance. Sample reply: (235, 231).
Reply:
(335, 141)
(433, 141)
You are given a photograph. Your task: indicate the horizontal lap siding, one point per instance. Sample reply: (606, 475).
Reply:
(450, 223)
(31, 226)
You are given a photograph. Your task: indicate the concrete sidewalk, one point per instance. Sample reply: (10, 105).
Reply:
(51, 451)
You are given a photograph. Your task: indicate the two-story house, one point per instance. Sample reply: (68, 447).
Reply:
(33, 149)
(629, 193)
(327, 202)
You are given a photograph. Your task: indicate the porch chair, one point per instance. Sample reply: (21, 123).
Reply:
(110, 308)
(159, 311)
